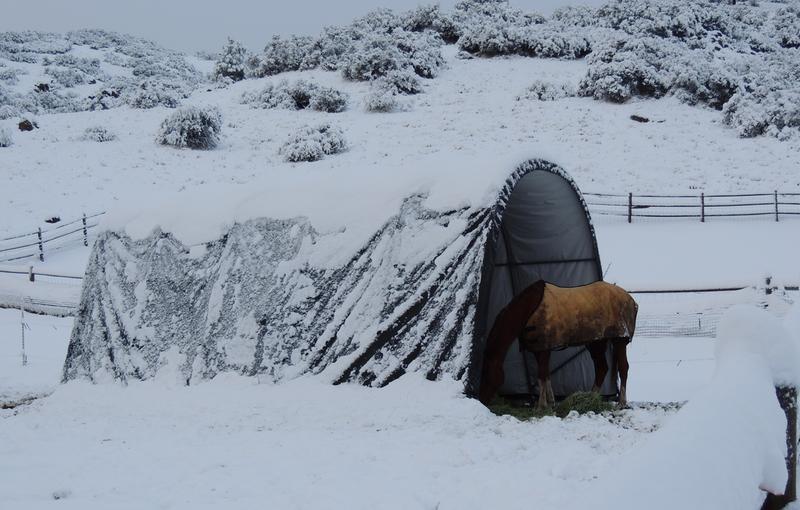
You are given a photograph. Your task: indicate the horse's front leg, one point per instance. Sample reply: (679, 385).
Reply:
(543, 366)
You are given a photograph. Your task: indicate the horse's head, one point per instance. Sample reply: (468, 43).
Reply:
(492, 377)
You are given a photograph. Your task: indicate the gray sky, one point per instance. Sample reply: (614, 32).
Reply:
(204, 24)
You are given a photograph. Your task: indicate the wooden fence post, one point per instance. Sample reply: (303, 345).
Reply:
(787, 397)
(85, 233)
(31, 276)
(630, 207)
(702, 207)
(41, 248)
(776, 205)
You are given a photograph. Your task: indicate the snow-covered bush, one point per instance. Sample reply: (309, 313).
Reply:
(65, 76)
(403, 81)
(575, 16)
(298, 95)
(702, 79)
(232, 62)
(313, 143)
(152, 93)
(786, 25)
(382, 98)
(10, 76)
(192, 127)
(5, 138)
(281, 55)
(679, 19)
(104, 99)
(541, 90)
(98, 134)
(494, 28)
(761, 107)
(376, 55)
(7, 111)
(51, 102)
(431, 17)
(327, 99)
(627, 67)
(88, 66)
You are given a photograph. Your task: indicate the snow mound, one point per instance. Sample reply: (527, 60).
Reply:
(724, 447)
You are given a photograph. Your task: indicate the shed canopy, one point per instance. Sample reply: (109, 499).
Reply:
(266, 299)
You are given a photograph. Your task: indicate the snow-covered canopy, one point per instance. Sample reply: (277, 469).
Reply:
(279, 282)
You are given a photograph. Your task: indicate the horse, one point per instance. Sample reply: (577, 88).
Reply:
(546, 317)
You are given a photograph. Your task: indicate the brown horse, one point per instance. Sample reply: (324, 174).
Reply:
(546, 317)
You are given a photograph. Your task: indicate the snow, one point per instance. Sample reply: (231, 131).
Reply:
(757, 332)
(481, 133)
(45, 347)
(304, 444)
(242, 442)
(724, 446)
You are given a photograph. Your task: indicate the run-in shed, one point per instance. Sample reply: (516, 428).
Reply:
(274, 297)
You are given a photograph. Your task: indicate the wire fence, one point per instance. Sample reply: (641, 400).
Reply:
(773, 206)
(33, 245)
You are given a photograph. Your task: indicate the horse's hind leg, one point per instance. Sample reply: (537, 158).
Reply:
(543, 368)
(598, 352)
(621, 355)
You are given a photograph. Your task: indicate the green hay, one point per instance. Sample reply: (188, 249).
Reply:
(582, 402)
(519, 410)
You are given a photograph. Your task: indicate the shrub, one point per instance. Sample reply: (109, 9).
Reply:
(11, 75)
(98, 134)
(281, 55)
(8, 111)
(382, 98)
(232, 62)
(192, 127)
(575, 16)
(65, 76)
(786, 25)
(546, 91)
(431, 17)
(297, 96)
(375, 56)
(403, 82)
(768, 101)
(326, 99)
(313, 143)
(623, 68)
(151, 93)
(5, 138)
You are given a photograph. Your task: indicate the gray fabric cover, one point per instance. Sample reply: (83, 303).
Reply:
(546, 230)
(254, 301)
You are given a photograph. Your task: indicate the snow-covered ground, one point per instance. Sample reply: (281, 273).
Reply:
(304, 444)
(415, 444)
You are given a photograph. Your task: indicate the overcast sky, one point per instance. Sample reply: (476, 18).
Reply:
(191, 25)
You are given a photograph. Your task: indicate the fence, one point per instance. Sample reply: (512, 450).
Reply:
(32, 244)
(700, 206)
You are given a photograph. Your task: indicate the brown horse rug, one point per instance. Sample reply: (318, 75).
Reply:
(568, 317)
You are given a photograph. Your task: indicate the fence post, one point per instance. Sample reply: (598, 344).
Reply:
(630, 207)
(787, 397)
(776, 205)
(41, 248)
(85, 233)
(702, 207)
(31, 276)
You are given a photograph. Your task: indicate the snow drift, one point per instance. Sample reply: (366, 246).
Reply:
(726, 446)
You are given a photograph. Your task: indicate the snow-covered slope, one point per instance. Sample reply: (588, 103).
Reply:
(469, 112)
